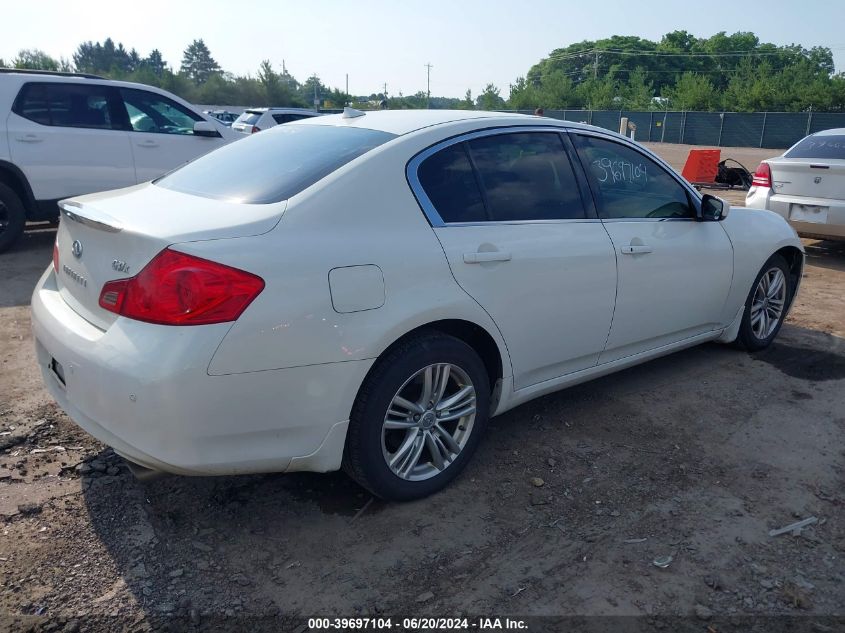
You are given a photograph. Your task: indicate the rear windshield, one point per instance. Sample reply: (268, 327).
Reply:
(823, 146)
(250, 118)
(274, 165)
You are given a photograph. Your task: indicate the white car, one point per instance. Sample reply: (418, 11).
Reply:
(806, 185)
(366, 290)
(66, 134)
(256, 119)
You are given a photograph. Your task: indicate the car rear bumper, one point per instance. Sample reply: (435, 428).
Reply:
(144, 390)
(829, 224)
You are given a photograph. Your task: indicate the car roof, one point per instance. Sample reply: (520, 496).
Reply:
(837, 131)
(401, 122)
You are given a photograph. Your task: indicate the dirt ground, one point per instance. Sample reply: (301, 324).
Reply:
(694, 456)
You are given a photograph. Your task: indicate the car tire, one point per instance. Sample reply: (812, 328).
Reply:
(401, 375)
(761, 319)
(12, 217)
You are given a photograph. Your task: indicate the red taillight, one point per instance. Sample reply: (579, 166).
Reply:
(255, 129)
(763, 176)
(56, 255)
(179, 289)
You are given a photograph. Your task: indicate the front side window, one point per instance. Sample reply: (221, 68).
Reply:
(66, 105)
(150, 112)
(275, 165)
(628, 184)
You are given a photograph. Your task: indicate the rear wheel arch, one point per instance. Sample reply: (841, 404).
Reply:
(474, 335)
(14, 178)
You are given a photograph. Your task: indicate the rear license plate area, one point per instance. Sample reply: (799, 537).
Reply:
(808, 213)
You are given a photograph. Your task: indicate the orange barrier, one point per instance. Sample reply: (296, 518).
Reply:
(702, 165)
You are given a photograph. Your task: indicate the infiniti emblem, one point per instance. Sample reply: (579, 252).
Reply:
(76, 249)
(817, 179)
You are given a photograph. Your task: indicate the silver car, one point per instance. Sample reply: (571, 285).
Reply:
(806, 185)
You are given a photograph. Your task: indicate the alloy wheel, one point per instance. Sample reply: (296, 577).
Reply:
(768, 303)
(428, 422)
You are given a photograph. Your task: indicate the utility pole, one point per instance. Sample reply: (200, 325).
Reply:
(348, 100)
(385, 90)
(428, 86)
(596, 66)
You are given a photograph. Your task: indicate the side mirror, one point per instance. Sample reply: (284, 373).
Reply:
(206, 128)
(714, 209)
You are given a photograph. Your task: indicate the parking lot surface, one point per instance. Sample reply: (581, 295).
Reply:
(564, 509)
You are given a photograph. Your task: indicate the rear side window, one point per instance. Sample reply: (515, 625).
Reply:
(819, 146)
(274, 165)
(287, 118)
(67, 105)
(449, 182)
(526, 176)
(522, 176)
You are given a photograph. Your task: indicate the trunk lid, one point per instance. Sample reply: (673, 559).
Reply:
(808, 177)
(113, 235)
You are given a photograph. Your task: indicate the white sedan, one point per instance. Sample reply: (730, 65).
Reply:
(806, 185)
(366, 290)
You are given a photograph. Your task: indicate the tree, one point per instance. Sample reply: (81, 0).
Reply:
(312, 89)
(600, 93)
(466, 103)
(638, 92)
(155, 63)
(692, 92)
(198, 64)
(35, 59)
(269, 80)
(489, 99)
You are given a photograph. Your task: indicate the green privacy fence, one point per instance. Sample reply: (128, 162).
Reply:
(777, 130)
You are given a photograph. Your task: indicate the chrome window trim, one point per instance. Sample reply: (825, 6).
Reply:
(427, 205)
(519, 222)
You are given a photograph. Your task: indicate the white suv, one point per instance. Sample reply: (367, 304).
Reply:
(70, 134)
(257, 119)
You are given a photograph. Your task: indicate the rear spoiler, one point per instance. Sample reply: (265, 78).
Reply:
(96, 220)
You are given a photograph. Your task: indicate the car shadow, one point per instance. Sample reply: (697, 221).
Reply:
(825, 254)
(24, 263)
(191, 547)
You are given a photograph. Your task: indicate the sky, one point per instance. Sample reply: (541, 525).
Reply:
(469, 43)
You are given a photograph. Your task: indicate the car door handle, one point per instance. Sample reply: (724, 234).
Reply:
(29, 138)
(487, 256)
(148, 144)
(636, 249)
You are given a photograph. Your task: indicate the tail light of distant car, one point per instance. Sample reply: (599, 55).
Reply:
(56, 255)
(255, 129)
(763, 176)
(179, 289)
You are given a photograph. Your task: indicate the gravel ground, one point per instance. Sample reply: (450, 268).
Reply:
(563, 510)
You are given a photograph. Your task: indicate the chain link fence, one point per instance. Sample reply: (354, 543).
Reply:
(774, 130)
